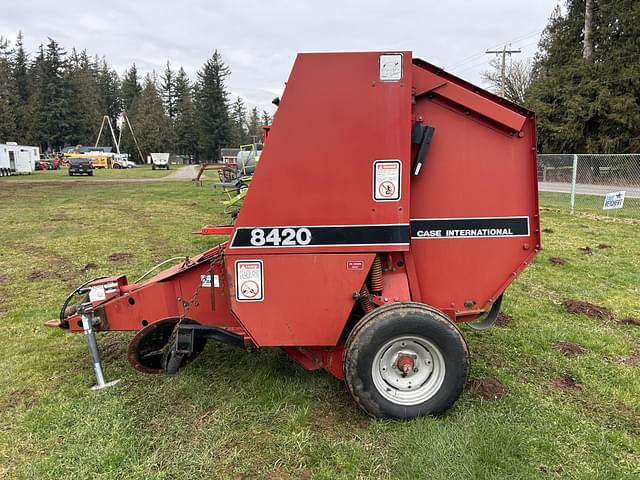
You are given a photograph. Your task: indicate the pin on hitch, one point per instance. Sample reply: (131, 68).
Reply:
(88, 321)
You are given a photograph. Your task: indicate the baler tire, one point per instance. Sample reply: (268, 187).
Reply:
(422, 326)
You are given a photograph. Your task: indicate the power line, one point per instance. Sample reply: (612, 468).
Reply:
(504, 53)
(475, 56)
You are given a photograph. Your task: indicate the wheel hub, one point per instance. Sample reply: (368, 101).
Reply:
(408, 370)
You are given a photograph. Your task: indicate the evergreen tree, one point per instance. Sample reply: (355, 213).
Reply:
(130, 88)
(108, 86)
(84, 100)
(8, 95)
(168, 88)
(49, 102)
(266, 118)
(254, 129)
(238, 122)
(211, 108)
(186, 137)
(589, 105)
(148, 119)
(22, 83)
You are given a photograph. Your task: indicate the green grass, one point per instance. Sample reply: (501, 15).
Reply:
(591, 204)
(237, 415)
(141, 171)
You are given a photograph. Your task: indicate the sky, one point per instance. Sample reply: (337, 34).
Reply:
(258, 40)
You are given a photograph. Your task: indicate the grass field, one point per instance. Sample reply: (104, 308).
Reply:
(237, 415)
(141, 171)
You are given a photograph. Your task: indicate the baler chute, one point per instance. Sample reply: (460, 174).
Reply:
(392, 201)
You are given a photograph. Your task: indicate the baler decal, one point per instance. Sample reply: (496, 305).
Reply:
(321, 236)
(387, 176)
(249, 281)
(479, 227)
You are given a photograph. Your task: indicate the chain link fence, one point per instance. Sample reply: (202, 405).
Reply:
(608, 184)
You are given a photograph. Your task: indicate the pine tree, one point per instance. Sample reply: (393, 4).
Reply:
(148, 119)
(266, 118)
(84, 99)
(254, 129)
(22, 83)
(186, 137)
(211, 108)
(8, 95)
(108, 86)
(49, 102)
(168, 89)
(589, 105)
(238, 122)
(130, 88)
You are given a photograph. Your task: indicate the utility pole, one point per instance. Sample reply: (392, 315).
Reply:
(504, 53)
(587, 51)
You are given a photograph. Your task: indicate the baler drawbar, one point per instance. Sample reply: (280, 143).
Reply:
(392, 202)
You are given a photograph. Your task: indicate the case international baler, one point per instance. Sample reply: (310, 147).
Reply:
(392, 202)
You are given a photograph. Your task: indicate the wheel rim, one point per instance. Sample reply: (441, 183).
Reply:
(408, 370)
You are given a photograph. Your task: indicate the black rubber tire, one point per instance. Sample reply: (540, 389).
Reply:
(382, 325)
(153, 167)
(153, 337)
(91, 174)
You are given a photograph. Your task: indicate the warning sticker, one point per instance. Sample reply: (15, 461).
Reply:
(249, 281)
(386, 180)
(391, 67)
(97, 294)
(205, 281)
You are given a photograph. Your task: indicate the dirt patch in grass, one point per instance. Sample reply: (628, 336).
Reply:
(564, 383)
(630, 321)
(17, 398)
(4, 278)
(488, 388)
(280, 474)
(89, 266)
(588, 309)
(120, 256)
(586, 250)
(632, 360)
(603, 246)
(570, 349)
(44, 275)
(557, 261)
(58, 217)
(113, 348)
(504, 320)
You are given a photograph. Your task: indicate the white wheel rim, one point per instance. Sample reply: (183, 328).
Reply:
(423, 378)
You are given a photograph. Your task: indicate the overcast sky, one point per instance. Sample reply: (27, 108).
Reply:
(259, 39)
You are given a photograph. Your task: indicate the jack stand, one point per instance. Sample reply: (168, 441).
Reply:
(86, 311)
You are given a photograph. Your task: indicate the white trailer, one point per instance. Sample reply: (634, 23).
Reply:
(160, 160)
(16, 158)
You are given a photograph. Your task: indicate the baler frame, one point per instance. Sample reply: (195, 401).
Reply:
(371, 293)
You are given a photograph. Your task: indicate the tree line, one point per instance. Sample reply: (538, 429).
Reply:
(584, 81)
(53, 98)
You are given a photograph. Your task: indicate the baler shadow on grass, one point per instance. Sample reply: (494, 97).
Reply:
(231, 414)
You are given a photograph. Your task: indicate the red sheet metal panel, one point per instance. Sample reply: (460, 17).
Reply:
(295, 299)
(428, 82)
(467, 246)
(335, 119)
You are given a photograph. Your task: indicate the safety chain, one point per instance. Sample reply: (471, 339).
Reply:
(186, 305)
